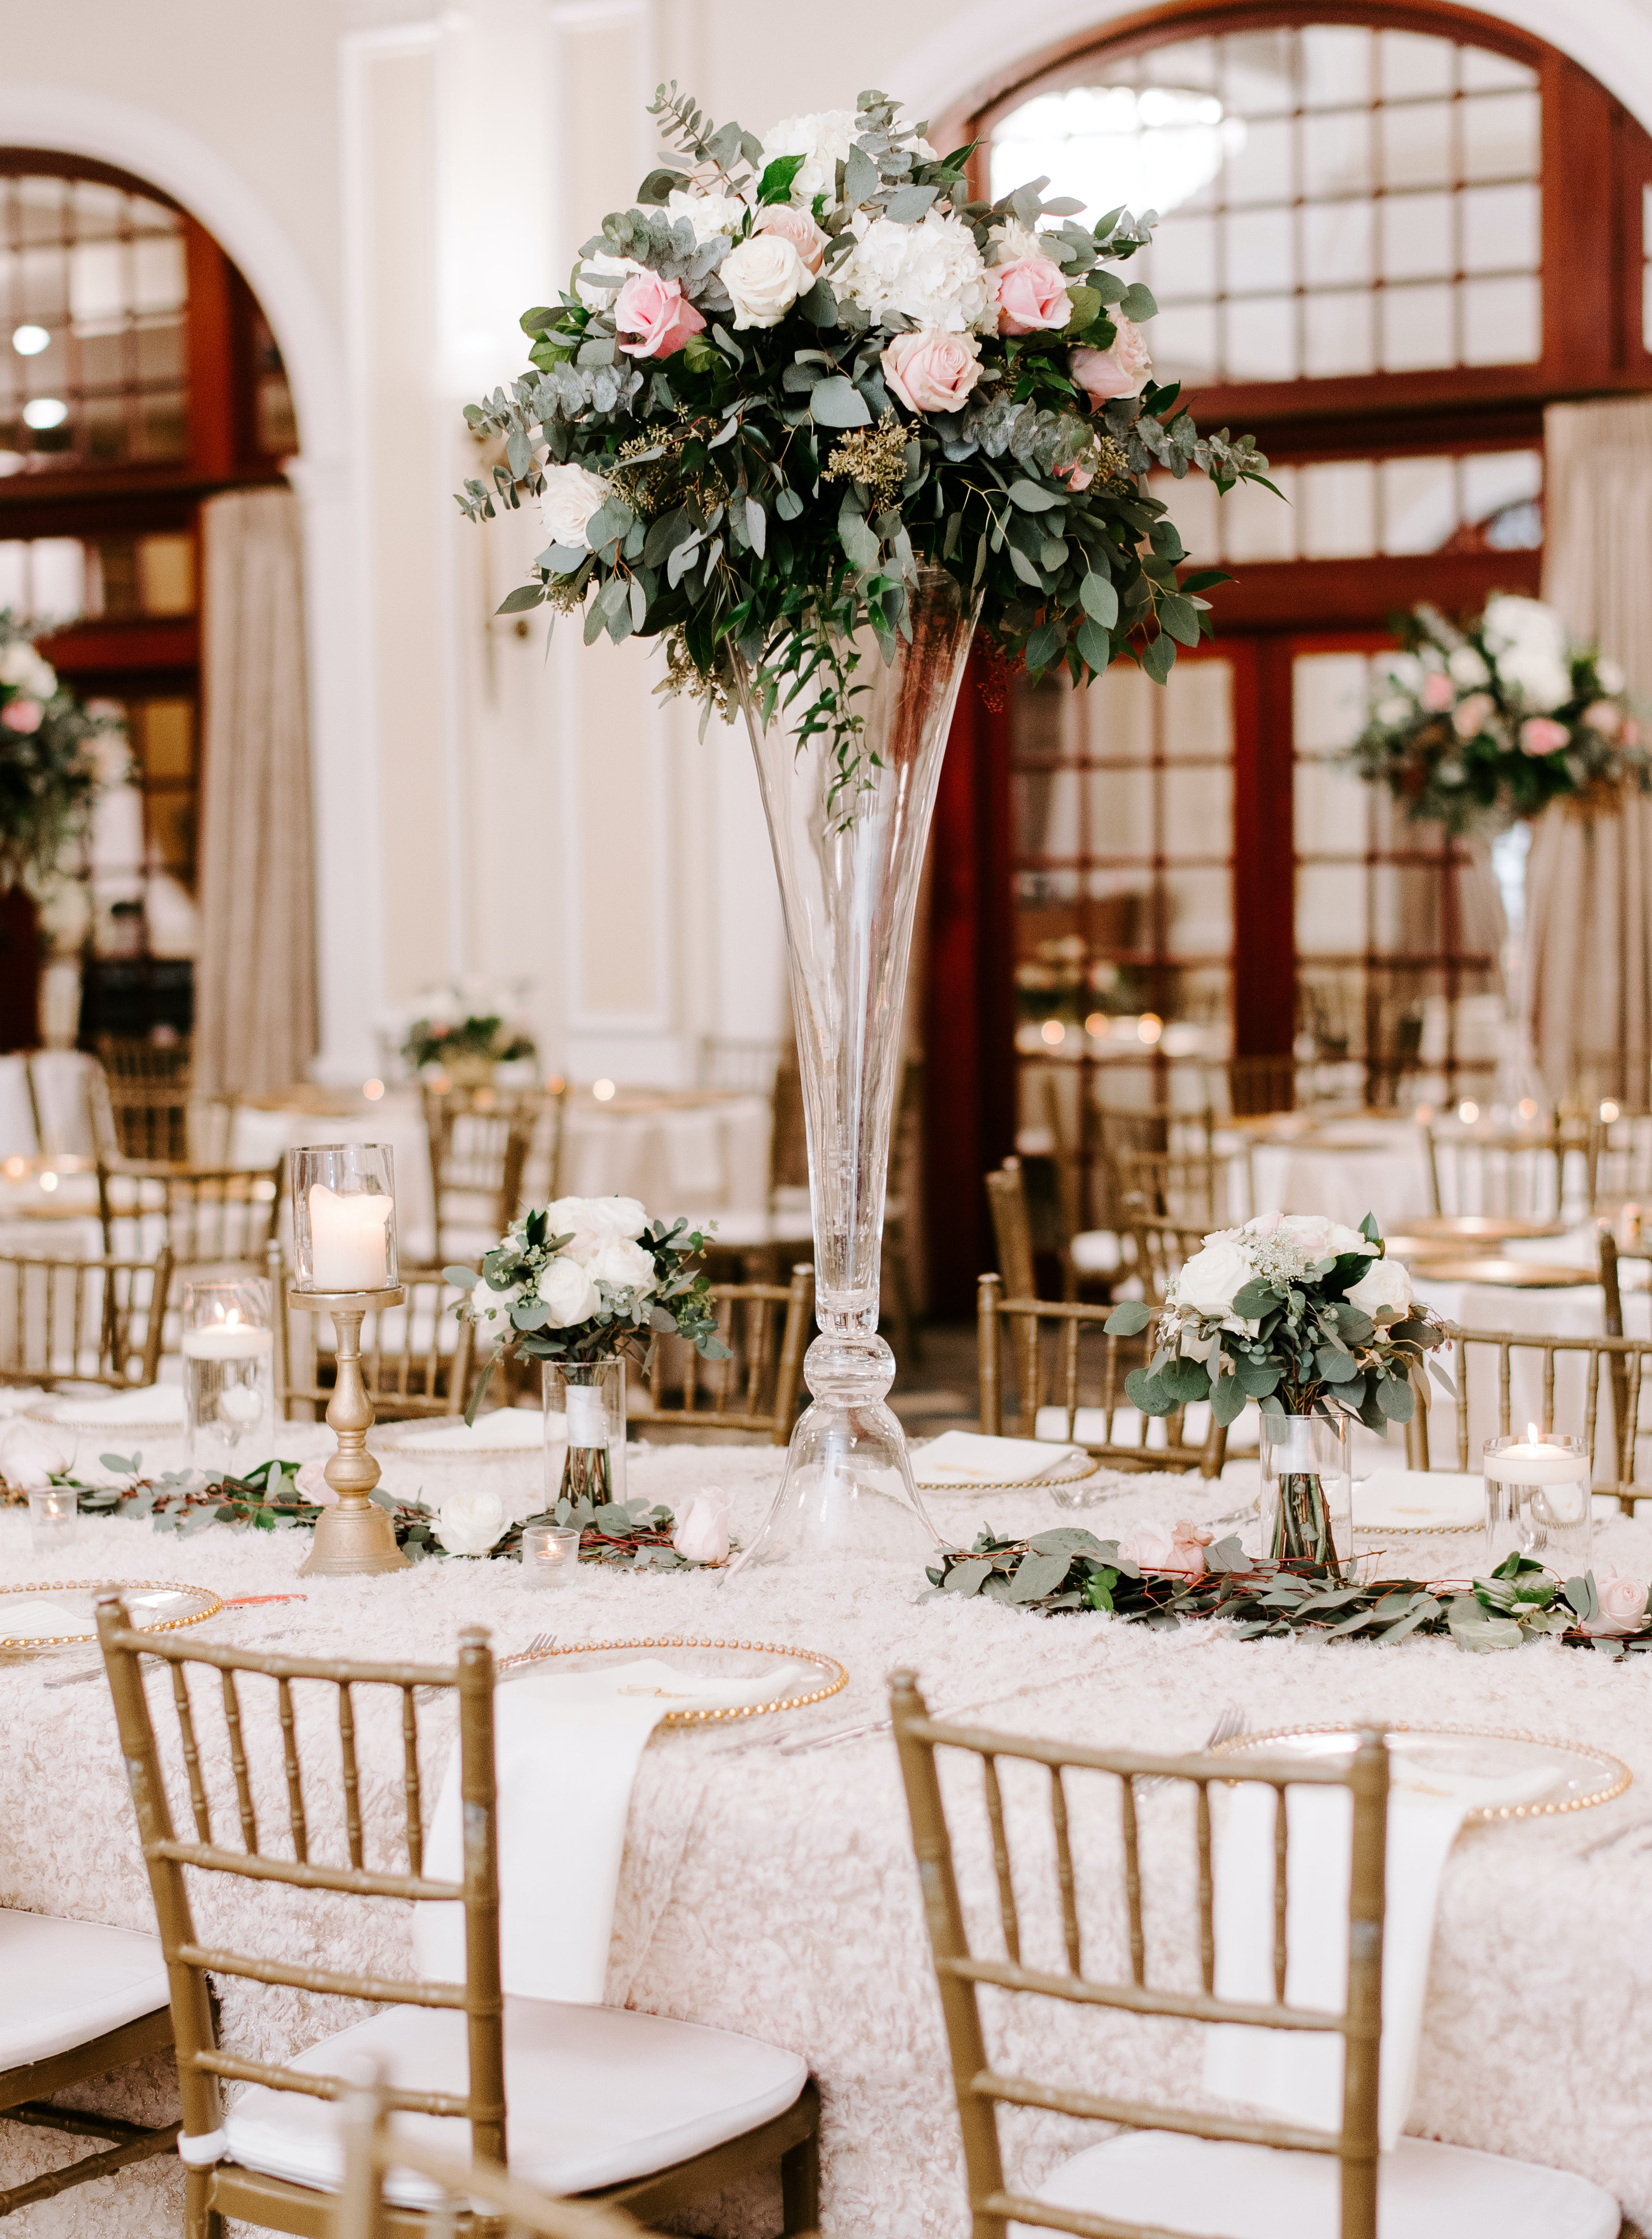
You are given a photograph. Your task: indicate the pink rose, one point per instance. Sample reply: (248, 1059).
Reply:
(657, 310)
(1630, 733)
(933, 372)
(1474, 714)
(22, 715)
(795, 226)
(1604, 716)
(1166, 1547)
(313, 1485)
(1439, 693)
(1119, 370)
(1031, 295)
(1541, 734)
(1623, 1607)
(1080, 477)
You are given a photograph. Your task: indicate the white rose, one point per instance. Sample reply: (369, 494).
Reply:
(1394, 711)
(823, 141)
(616, 1216)
(1384, 1283)
(1211, 1280)
(1610, 676)
(931, 273)
(571, 498)
(1320, 1238)
(468, 1523)
(1467, 668)
(568, 1291)
(1012, 241)
(30, 1456)
(1541, 681)
(622, 1265)
(16, 658)
(488, 1305)
(598, 280)
(701, 1535)
(707, 214)
(764, 277)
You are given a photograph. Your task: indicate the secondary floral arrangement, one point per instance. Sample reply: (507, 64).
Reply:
(50, 767)
(1475, 727)
(802, 367)
(1158, 1575)
(461, 1030)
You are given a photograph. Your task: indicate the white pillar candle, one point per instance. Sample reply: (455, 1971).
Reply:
(1530, 1462)
(226, 1341)
(349, 1238)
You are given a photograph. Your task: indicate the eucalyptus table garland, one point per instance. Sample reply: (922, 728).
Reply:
(1070, 1570)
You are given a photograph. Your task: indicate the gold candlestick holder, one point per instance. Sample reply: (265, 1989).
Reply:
(356, 1535)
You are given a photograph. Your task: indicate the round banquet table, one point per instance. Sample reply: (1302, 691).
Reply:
(777, 1895)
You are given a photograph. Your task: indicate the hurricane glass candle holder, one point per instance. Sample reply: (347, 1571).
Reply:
(228, 1349)
(550, 1555)
(1538, 1502)
(53, 1514)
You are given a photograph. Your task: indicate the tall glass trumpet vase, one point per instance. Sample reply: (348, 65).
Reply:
(849, 861)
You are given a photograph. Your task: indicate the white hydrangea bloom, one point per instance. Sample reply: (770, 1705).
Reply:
(931, 272)
(1528, 641)
(1013, 240)
(823, 141)
(707, 214)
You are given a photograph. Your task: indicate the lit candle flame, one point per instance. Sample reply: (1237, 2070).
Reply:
(1534, 1434)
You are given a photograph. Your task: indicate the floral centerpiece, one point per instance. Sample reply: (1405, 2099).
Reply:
(1304, 1316)
(50, 768)
(1475, 726)
(583, 1284)
(462, 1031)
(810, 414)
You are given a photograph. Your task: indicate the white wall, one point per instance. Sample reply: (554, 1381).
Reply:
(399, 182)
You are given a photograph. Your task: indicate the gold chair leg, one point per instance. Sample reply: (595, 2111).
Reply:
(801, 2187)
(200, 2219)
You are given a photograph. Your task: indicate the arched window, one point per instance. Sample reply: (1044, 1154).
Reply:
(137, 375)
(1388, 236)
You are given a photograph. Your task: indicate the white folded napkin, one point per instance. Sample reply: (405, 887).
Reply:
(510, 1430)
(159, 1404)
(965, 1457)
(567, 1745)
(1291, 2073)
(1418, 1500)
(33, 1616)
(14, 1398)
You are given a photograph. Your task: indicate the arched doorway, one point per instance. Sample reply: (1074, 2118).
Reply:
(1391, 236)
(138, 375)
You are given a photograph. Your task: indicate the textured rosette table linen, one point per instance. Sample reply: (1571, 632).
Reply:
(776, 1895)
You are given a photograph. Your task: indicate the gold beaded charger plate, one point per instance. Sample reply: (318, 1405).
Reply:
(1583, 1776)
(1508, 1274)
(1481, 1227)
(799, 1676)
(446, 1438)
(37, 1618)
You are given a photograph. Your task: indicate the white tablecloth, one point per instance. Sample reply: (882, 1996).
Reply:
(777, 1895)
(1346, 1169)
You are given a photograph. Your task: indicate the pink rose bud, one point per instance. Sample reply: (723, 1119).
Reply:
(1032, 296)
(1541, 734)
(657, 312)
(933, 372)
(1630, 735)
(1604, 716)
(1166, 1547)
(1623, 1607)
(1119, 370)
(1473, 715)
(22, 715)
(1439, 693)
(795, 226)
(1080, 477)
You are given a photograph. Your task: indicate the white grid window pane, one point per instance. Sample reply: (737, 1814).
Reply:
(1184, 258)
(1255, 526)
(1185, 346)
(1337, 69)
(1338, 506)
(1260, 250)
(1500, 136)
(1337, 336)
(1412, 66)
(1261, 340)
(1337, 154)
(1500, 229)
(1502, 322)
(1419, 504)
(1417, 237)
(1260, 171)
(1416, 329)
(1415, 142)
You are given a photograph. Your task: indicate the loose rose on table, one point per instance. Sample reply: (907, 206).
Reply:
(1623, 1607)
(701, 1535)
(469, 1522)
(1166, 1547)
(32, 1456)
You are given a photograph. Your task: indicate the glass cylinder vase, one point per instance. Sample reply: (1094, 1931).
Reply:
(344, 1218)
(1306, 1507)
(1538, 1501)
(848, 833)
(228, 1349)
(584, 1432)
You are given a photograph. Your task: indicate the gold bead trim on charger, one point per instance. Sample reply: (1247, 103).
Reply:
(836, 1682)
(1485, 1814)
(215, 1603)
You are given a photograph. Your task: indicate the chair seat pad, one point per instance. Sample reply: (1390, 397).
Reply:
(594, 2095)
(1425, 2190)
(1097, 1252)
(64, 1983)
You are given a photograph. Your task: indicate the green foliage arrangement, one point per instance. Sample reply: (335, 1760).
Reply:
(49, 772)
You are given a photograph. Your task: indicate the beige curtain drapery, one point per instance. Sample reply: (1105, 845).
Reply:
(1588, 914)
(256, 980)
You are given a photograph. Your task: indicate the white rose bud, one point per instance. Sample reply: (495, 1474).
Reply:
(571, 496)
(764, 277)
(701, 1535)
(568, 1291)
(30, 1456)
(622, 1265)
(488, 1305)
(1384, 1284)
(468, 1523)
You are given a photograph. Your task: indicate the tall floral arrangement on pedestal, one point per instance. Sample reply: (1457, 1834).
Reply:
(802, 367)
(1477, 726)
(49, 765)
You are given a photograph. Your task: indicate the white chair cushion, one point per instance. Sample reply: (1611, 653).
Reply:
(66, 1982)
(1425, 2190)
(593, 2095)
(1097, 1252)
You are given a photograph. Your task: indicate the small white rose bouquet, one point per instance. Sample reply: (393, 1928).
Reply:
(1300, 1313)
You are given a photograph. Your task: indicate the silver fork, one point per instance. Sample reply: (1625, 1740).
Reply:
(1227, 1728)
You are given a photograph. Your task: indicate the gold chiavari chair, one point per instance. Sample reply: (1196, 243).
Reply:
(1162, 1248)
(1190, 1187)
(1616, 1365)
(408, 1368)
(1518, 1174)
(1622, 1076)
(372, 2150)
(1258, 1086)
(82, 1321)
(479, 1140)
(1099, 1393)
(1006, 1198)
(1170, 2167)
(739, 1065)
(765, 1326)
(469, 2061)
(209, 1216)
(144, 1094)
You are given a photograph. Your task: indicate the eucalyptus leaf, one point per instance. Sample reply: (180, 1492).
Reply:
(838, 403)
